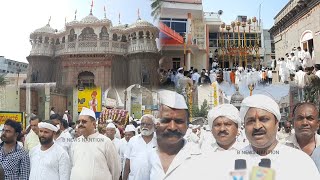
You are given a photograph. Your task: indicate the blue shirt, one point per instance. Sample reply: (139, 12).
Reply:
(16, 164)
(316, 157)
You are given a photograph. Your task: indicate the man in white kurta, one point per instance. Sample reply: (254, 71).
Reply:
(94, 157)
(261, 116)
(49, 161)
(224, 121)
(316, 157)
(138, 147)
(129, 132)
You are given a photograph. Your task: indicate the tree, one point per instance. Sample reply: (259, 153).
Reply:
(202, 112)
(2, 80)
(156, 8)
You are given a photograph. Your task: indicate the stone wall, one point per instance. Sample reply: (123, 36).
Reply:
(291, 36)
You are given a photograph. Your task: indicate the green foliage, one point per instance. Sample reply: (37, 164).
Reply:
(202, 112)
(312, 90)
(156, 7)
(2, 80)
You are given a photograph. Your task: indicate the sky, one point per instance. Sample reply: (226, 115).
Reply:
(21, 17)
(232, 8)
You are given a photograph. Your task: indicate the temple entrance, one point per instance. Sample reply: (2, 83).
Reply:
(307, 41)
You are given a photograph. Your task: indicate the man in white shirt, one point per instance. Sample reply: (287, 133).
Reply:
(62, 137)
(49, 160)
(138, 147)
(300, 78)
(283, 134)
(110, 133)
(93, 155)
(32, 138)
(171, 159)
(301, 55)
(306, 124)
(261, 116)
(269, 74)
(195, 77)
(224, 121)
(129, 132)
(52, 111)
(307, 60)
(178, 76)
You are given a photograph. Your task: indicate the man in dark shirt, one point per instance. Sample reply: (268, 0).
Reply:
(13, 158)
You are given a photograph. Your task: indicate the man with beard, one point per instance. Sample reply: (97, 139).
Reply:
(224, 121)
(306, 124)
(93, 155)
(171, 159)
(49, 160)
(138, 147)
(14, 159)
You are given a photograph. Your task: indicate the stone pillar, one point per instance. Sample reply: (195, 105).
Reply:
(47, 101)
(188, 61)
(28, 100)
(75, 103)
(189, 36)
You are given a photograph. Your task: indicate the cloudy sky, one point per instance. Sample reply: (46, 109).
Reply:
(20, 17)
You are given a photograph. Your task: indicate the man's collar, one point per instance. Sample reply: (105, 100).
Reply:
(292, 139)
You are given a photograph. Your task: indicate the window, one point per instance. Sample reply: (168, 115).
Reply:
(9, 63)
(178, 25)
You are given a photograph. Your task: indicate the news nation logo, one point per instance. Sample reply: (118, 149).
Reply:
(82, 140)
(247, 152)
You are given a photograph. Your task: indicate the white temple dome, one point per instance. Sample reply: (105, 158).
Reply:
(45, 29)
(89, 19)
(142, 23)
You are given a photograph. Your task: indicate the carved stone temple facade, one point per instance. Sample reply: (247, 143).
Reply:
(93, 52)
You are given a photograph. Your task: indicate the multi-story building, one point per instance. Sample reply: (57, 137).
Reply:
(297, 25)
(189, 37)
(11, 66)
(269, 48)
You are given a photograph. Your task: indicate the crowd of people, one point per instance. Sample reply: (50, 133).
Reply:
(167, 146)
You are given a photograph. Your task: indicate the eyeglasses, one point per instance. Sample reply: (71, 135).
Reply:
(146, 124)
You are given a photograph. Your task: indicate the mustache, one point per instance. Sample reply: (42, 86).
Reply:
(258, 131)
(223, 132)
(81, 126)
(169, 134)
(145, 129)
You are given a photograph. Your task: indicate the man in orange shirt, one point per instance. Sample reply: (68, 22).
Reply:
(233, 76)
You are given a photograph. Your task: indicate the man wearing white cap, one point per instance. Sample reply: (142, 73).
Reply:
(138, 147)
(224, 121)
(49, 160)
(261, 116)
(171, 159)
(129, 132)
(93, 155)
(110, 133)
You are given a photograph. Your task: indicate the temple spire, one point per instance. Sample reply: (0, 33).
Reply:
(119, 19)
(75, 15)
(49, 20)
(139, 14)
(91, 7)
(105, 14)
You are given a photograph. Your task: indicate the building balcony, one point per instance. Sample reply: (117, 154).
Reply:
(42, 50)
(91, 47)
(142, 45)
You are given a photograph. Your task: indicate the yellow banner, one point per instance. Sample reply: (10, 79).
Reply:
(16, 116)
(147, 111)
(90, 98)
(136, 109)
(215, 94)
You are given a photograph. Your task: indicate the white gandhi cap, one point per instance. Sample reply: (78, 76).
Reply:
(130, 128)
(88, 112)
(172, 99)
